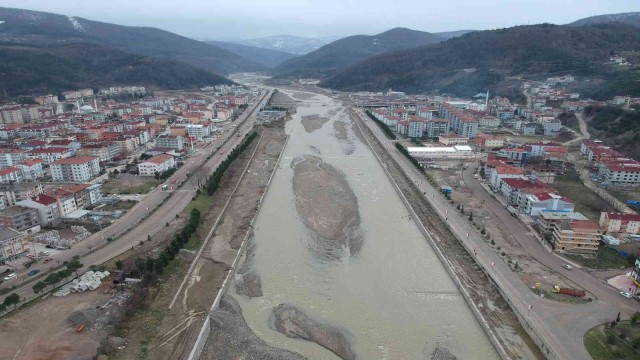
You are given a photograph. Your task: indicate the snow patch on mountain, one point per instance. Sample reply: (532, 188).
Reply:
(75, 23)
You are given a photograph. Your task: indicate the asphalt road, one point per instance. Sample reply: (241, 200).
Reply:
(560, 326)
(95, 250)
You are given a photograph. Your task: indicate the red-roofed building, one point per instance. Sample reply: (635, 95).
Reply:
(620, 224)
(31, 169)
(622, 171)
(49, 155)
(156, 164)
(451, 139)
(78, 169)
(45, 205)
(500, 172)
(489, 141)
(11, 174)
(580, 237)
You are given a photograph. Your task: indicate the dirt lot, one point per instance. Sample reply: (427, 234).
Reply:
(495, 309)
(43, 330)
(160, 333)
(130, 184)
(530, 271)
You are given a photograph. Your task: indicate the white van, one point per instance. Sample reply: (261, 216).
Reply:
(10, 276)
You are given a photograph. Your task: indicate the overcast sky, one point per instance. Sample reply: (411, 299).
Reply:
(241, 19)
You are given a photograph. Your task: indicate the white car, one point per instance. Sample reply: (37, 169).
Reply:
(567, 266)
(626, 294)
(10, 276)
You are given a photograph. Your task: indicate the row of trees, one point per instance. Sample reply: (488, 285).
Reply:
(54, 278)
(214, 180)
(178, 242)
(413, 160)
(387, 131)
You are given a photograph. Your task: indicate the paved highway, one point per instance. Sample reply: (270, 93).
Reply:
(95, 250)
(561, 326)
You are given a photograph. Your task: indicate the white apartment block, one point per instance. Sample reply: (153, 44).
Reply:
(78, 169)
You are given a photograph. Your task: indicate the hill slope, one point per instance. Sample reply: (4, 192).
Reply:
(42, 28)
(29, 70)
(267, 57)
(488, 59)
(339, 54)
(631, 18)
(292, 44)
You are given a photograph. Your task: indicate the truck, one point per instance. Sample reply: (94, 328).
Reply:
(571, 292)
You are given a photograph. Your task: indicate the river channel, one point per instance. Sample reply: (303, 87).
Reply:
(376, 278)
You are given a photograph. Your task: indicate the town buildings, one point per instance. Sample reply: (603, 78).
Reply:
(13, 245)
(580, 237)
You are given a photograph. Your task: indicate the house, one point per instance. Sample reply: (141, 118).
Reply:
(622, 224)
(31, 169)
(104, 151)
(516, 190)
(46, 207)
(529, 129)
(580, 237)
(552, 128)
(156, 164)
(20, 218)
(9, 175)
(78, 169)
(515, 153)
(488, 141)
(452, 139)
(170, 142)
(13, 245)
(65, 200)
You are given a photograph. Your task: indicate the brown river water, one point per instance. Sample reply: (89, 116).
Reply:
(339, 245)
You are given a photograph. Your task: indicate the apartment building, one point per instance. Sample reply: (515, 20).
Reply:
(13, 245)
(31, 169)
(20, 218)
(620, 224)
(78, 169)
(9, 175)
(170, 142)
(156, 164)
(46, 207)
(581, 237)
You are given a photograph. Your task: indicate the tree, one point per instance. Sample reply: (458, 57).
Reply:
(12, 299)
(52, 279)
(39, 286)
(74, 265)
(119, 264)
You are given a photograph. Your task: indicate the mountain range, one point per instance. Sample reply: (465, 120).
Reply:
(492, 59)
(631, 18)
(34, 27)
(339, 54)
(266, 57)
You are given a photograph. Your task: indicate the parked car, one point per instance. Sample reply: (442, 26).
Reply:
(33, 272)
(567, 266)
(44, 253)
(626, 294)
(49, 246)
(10, 276)
(47, 260)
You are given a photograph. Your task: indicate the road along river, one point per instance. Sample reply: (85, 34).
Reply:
(336, 267)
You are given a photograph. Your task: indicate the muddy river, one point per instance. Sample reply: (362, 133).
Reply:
(342, 270)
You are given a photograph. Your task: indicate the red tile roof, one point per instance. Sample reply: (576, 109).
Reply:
(7, 171)
(623, 217)
(159, 159)
(75, 160)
